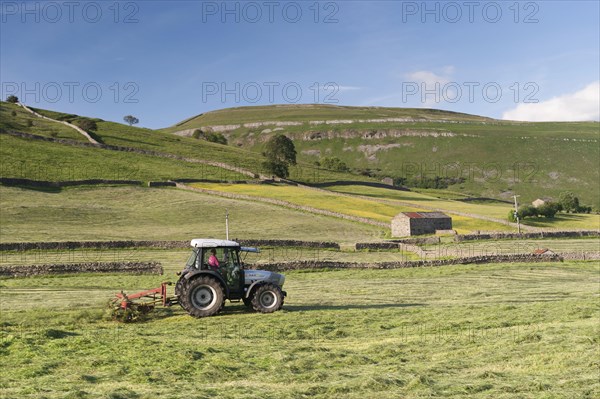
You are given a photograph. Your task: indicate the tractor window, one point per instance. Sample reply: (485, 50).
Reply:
(192, 259)
(218, 253)
(229, 257)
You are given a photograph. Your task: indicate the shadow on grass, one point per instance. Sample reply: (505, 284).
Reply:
(42, 189)
(560, 217)
(304, 308)
(95, 136)
(119, 138)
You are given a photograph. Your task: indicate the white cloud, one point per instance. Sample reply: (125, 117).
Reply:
(430, 81)
(428, 77)
(448, 69)
(582, 105)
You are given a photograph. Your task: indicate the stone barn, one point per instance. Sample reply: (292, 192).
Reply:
(416, 223)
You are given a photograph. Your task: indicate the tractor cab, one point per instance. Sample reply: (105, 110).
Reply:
(227, 254)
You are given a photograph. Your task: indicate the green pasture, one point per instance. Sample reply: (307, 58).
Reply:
(501, 331)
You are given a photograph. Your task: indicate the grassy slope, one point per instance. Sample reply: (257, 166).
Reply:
(371, 209)
(530, 159)
(313, 112)
(107, 213)
(500, 331)
(39, 160)
(147, 139)
(39, 126)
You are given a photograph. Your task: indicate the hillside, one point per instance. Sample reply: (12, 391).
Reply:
(348, 207)
(490, 158)
(48, 156)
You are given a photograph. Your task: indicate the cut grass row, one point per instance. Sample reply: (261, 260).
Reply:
(499, 331)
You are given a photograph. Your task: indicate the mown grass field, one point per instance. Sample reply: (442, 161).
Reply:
(123, 213)
(354, 206)
(487, 331)
(500, 331)
(504, 247)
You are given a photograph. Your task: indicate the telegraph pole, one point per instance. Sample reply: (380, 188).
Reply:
(517, 213)
(227, 224)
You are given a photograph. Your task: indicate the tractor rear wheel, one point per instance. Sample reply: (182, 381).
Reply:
(203, 297)
(267, 298)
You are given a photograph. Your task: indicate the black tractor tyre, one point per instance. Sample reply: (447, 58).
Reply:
(180, 288)
(203, 297)
(267, 298)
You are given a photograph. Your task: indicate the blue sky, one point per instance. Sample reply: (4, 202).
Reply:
(164, 61)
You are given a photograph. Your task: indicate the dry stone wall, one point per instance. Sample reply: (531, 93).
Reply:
(519, 258)
(90, 267)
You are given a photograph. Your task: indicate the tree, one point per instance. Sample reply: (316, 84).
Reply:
(131, 120)
(511, 216)
(334, 163)
(549, 209)
(278, 169)
(568, 201)
(86, 124)
(210, 136)
(12, 99)
(280, 153)
(527, 211)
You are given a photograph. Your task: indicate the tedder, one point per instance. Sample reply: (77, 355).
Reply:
(213, 273)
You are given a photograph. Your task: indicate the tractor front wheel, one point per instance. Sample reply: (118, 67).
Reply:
(267, 298)
(203, 297)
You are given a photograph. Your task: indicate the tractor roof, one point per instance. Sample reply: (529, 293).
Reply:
(212, 243)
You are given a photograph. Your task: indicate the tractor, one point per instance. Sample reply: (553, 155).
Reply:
(204, 284)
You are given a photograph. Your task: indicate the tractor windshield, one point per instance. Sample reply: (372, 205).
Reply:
(192, 259)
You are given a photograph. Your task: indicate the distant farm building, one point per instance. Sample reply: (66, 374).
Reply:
(417, 223)
(388, 180)
(541, 201)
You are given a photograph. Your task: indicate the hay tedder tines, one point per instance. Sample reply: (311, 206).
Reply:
(131, 307)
